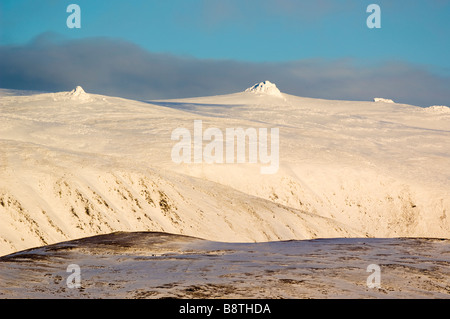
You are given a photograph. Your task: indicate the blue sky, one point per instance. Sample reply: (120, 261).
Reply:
(415, 33)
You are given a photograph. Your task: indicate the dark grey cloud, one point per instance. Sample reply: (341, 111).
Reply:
(119, 68)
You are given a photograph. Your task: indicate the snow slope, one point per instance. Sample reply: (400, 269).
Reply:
(76, 164)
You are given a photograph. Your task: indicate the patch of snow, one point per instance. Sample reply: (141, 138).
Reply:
(382, 100)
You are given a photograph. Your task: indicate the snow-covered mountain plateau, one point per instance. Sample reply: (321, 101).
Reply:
(77, 164)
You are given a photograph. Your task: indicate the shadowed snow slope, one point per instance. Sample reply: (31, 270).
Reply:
(161, 265)
(72, 168)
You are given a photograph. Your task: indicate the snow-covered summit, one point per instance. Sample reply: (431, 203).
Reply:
(79, 94)
(77, 91)
(265, 87)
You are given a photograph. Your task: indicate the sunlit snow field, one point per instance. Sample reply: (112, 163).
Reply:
(76, 164)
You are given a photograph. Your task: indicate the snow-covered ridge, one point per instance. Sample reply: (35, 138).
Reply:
(438, 109)
(265, 87)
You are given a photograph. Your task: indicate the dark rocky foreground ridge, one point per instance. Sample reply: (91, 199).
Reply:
(162, 265)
